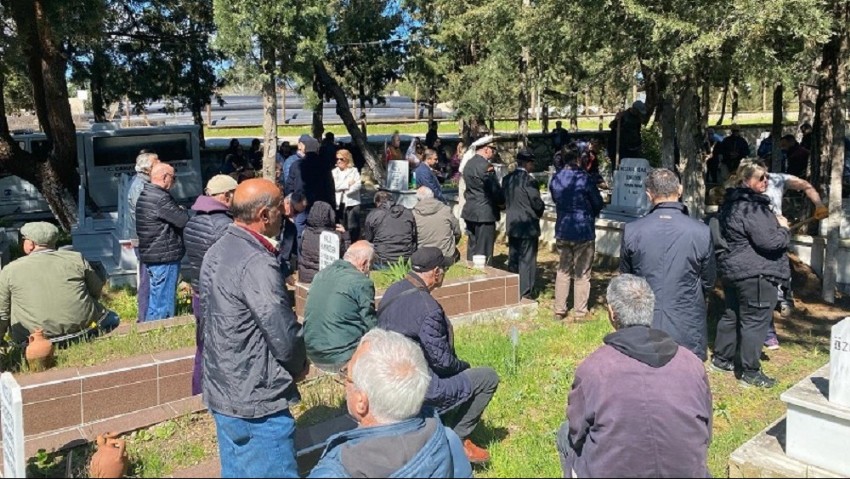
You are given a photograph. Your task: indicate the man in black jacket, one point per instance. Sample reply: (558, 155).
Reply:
(459, 393)
(675, 254)
(212, 215)
(483, 200)
(391, 229)
(159, 224)
(524, 207)
(253, 345)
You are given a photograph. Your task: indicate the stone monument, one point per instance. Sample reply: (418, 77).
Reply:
(398, 182)
(629, 200)
(12, 412)
(818, 421)
(328, 249)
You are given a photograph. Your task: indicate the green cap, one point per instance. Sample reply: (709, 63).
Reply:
(41, 233)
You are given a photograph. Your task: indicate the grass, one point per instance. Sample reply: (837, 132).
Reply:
(450, 126)
(383, 279)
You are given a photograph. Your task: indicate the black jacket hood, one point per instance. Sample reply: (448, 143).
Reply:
(653, 347)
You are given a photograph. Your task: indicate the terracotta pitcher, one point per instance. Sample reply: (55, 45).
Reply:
(39, 350)
(110, 460)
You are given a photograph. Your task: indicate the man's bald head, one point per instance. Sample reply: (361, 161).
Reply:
(257, 205)
(162, 175)
(360, 255)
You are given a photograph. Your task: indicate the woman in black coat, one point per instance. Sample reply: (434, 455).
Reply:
(322, 218)
(752, 258)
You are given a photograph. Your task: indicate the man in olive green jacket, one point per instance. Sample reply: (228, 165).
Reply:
(340, 308)
(56, 291)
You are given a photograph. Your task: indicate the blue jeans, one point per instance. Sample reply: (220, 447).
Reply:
(261, 447)
(163, 288)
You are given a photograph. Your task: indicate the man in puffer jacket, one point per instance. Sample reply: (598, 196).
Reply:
(391, 229)
(212, 215)
(436, 225)
(322, 218)
(159, 224)
(386, 381)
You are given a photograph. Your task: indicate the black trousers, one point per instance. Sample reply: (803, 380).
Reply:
(482, 238)
(743, 327)
(465, 417)
(349, 218)
(522, 259)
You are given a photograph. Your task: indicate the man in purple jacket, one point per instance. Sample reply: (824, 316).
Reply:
(640, 405)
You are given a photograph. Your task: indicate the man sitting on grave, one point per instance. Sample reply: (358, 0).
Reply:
(436, 225)
(322, 218)
(392, 229)
(53, 290)
(458, 392)
(340, 308)
(640, 404)
(385, 384)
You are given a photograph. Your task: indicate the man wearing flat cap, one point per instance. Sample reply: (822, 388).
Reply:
(212, 216)
(459, 393)
(524, 208)
(483, 198)
(53, 290)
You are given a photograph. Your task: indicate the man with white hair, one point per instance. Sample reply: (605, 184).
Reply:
(144, 163)
(385, 384)
(436, 225)
(640, 403)
(340, 308)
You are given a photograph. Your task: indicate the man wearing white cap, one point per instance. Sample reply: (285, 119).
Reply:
(212, 215)
(483, 199)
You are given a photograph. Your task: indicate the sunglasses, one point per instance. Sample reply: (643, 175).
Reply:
(762, 177)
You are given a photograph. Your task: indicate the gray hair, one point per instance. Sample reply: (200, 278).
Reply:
(662, 183)
(144, 162)
(424, 193)
(632, 300)
(393, 374)
(359, 253)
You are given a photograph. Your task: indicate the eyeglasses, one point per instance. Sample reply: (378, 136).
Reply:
(342, 376)
(763, 178)
(341, 159)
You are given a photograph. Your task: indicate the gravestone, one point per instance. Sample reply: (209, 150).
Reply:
(328, 249)
(12, 412)
(629, 197)
(839, 364)
(398, 176)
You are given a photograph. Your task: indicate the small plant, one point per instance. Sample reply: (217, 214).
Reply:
(393, 273)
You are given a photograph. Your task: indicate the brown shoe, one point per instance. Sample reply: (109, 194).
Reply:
(475, 454)
(559, 316)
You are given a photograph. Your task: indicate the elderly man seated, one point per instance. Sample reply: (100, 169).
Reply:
(340, 308)
(56, 291)
(392, 229)
(641, 404)
(458, 392)
(436, 225)
(385, 384)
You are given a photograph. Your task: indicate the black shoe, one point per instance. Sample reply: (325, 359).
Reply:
(722, 365)
(785, 310)
(757, 379)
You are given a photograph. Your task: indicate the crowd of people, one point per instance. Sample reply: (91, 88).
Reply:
(415, 400)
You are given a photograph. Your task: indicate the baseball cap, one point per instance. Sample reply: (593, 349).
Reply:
(219, 184)
(41, 233)
(426, 258)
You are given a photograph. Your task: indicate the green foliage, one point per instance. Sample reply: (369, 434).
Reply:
(391, 274)
(651, 144)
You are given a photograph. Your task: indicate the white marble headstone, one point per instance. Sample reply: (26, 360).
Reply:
(398, 176)
(839, 364)
(12, 412)
(630, 187)
(328, 249)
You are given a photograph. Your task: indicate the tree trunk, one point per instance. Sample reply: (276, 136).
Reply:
(416, 102)
(545, 118)
(831, 98)
(432, 101)
(268, 64)
(668, 131)
(735, 100)
(690, 139)
(723, 104)
(98, 104)
(360, 140)
(198, 116)
(523, 93)
(807, 94)
(317, 127)
(574, 110)
(56, 179)
(776, 165)
(763, 96)
(705, 104)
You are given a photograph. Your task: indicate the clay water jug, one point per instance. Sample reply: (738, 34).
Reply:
(39, 351)
(110, 460)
